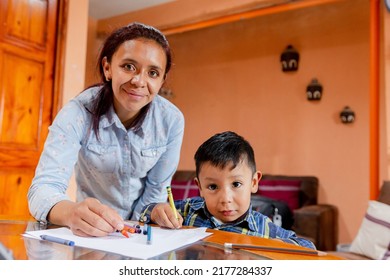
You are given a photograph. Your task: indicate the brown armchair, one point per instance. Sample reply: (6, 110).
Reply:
(316, 222)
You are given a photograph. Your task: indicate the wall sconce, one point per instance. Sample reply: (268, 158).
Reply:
(347, 115)
(314, 90)
(289, 59)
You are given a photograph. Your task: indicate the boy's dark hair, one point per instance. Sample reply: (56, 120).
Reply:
(224, 148)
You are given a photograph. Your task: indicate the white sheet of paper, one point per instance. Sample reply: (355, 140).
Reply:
(163, 240)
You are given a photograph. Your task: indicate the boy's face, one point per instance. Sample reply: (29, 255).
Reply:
(227, 191)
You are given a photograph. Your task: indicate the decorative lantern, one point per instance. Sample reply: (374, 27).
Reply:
(347, 115)
(289, 59)
(314, 90)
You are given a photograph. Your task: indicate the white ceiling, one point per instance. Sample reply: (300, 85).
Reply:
(100, 9)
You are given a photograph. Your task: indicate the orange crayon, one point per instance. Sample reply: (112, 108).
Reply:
(129, 229)
(124, 233)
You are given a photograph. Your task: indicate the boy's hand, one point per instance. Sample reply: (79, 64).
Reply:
(163, 215)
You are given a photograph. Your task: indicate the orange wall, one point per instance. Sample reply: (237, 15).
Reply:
(385, 89)
(228, 77)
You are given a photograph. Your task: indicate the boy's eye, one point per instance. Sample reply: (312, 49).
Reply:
(237, 184)
(212, 187)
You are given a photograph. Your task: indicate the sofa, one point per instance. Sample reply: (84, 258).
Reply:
(316, 222)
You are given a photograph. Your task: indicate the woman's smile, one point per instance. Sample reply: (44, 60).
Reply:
(134, 94)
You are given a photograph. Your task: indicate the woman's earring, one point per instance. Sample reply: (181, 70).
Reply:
(108, 79)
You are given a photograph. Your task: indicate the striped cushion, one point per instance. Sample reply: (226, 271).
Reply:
(373, 238)
(284, 190)
(184, 189)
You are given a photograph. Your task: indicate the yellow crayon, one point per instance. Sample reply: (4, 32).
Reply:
(171, 201)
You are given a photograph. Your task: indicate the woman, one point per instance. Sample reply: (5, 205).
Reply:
(121, 138)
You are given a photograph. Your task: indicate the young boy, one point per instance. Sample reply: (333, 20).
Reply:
(226, 176)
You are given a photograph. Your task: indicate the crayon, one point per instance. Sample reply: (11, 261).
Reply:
(149, 235)
(145, 231)
(57, 240)
(124, 233)
(171, 201)
(273, 249)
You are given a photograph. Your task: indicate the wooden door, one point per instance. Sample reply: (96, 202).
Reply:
(27, 57)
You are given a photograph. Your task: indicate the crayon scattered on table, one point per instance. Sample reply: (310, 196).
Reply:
(149, 235)
(124, 233)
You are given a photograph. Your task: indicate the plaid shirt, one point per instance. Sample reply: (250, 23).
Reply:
(194, 212)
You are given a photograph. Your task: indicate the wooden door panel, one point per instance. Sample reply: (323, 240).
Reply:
(21, 94)
(14, 184)
(27, 21)
(27, 69)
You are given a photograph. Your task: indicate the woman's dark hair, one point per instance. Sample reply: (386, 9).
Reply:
(130, 32)
(224, 148)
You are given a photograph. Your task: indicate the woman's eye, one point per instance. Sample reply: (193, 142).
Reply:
(129, 67)
(237, 184)
(212, 187)
(154, 74)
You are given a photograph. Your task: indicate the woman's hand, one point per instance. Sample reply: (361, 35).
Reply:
(163, 215)
(87, 218)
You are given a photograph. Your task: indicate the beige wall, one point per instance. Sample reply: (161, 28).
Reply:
(92, 47)
(76, 48)
(228, 77)
(75, 53)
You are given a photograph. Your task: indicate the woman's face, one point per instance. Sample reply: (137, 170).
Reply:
(137, 72)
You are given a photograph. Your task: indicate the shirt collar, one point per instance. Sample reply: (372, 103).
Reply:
(111, 118)
(201, 207)
(250, 219)
(243, 221)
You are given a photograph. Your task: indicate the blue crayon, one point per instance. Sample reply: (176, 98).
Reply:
(145, 231)
(57, 240)
(149, 235)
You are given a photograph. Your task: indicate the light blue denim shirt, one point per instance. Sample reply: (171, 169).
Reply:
(126, 170)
